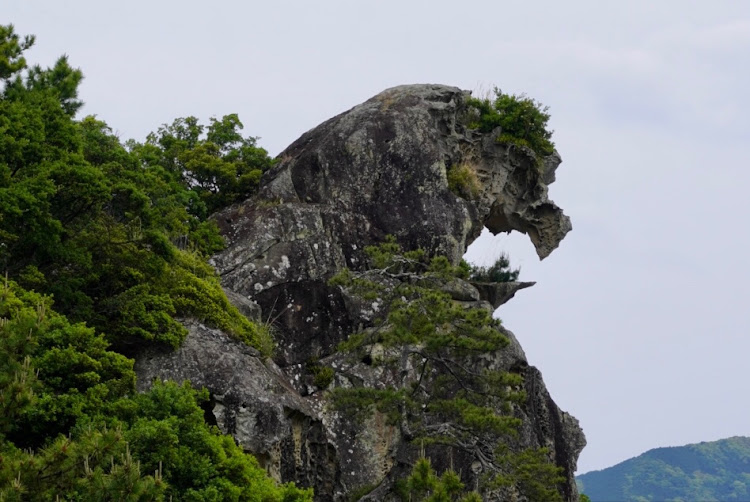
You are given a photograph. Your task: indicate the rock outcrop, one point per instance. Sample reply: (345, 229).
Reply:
(378, 169)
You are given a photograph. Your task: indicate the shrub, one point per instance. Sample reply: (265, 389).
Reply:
(424, 484)
(531, 471)
(523, 120)
(71, 423)
(323, 377)
(167, 433)
(499, 271)
(463, 181)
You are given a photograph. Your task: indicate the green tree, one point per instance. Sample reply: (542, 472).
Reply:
(120, 241)
(119, 237)
(17, 378)
(531, 472)
(221, 166)
(423, 484)
(441, 392)
(52, 376)
(11, 51)
(55, 372)
(71, 423)
(167, 434)
(499, 271)
(424, 329)
(95, 466)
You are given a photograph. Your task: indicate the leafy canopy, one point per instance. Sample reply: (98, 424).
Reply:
(216, 162)
(117, 235)
(119, 239)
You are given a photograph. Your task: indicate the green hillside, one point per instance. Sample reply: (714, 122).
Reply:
(709, 471)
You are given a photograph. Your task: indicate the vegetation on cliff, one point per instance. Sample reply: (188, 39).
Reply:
(104, 245)
(440, 392)
(71, 424)
(423, 484)
(521, 119)
(499, 271)
(711, 471)
(463, 181)
(118, 238)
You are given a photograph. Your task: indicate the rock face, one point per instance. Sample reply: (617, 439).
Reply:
(379, 169)
(251, 399)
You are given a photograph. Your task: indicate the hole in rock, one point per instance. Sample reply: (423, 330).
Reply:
(208, 411)
(516, 246)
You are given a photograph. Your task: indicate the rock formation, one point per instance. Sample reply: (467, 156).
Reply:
(378, 169)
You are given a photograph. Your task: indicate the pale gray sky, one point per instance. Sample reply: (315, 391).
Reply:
(639, 322)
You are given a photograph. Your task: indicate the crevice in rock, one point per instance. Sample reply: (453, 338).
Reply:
(208, 411)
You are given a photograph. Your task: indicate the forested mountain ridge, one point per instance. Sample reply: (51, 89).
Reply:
(708, 471)
(340, 274)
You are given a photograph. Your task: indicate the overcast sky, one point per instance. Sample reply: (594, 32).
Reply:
(639, 321)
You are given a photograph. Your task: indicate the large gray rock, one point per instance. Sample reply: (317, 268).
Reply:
(379, 169)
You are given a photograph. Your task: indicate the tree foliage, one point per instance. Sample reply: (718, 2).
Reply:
(531, 472)
(522, 120)
(118, 237)
(439, 391)
(54, 372)
(12, 48)
(423, 484)
(499, 271)
(70, 422)
(166, 432)
(216, 162)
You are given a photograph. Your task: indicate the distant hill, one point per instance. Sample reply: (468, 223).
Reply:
(713, 471)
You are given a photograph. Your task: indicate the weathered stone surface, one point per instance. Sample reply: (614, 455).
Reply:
(247, 307)
(552, 428)
(251, 400)
(379, 169)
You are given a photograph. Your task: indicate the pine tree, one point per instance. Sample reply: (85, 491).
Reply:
(442, 392)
